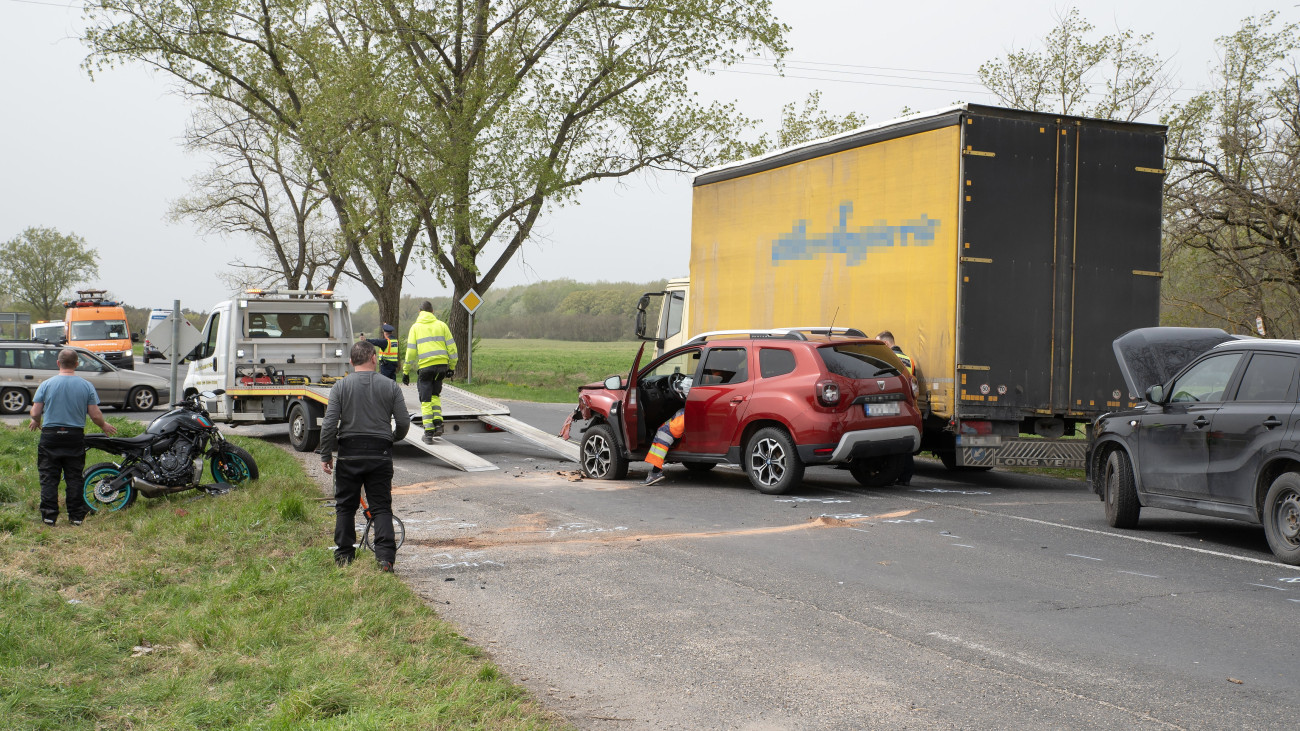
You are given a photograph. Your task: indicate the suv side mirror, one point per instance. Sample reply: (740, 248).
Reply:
(614, 383)
(1156, 394)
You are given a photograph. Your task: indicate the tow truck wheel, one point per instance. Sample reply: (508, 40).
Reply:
(301, 435)
(601, 458)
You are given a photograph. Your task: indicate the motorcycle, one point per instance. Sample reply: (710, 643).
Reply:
(166, 459)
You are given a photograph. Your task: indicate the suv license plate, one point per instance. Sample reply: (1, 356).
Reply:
(889, 408)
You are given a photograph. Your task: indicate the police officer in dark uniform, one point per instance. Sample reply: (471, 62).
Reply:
(388, 347)
(359, 420)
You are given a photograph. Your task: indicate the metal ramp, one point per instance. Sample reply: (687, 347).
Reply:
(533, 435)
(461, 459)
(458, 408)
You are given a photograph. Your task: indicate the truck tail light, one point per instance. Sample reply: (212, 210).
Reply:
(828, 393)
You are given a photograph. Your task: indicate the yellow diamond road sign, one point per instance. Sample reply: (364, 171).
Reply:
(471, 301)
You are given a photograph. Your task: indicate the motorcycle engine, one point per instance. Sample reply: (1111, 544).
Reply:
(177, 466)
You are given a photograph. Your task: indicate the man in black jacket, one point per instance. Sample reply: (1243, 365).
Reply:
(360, 419)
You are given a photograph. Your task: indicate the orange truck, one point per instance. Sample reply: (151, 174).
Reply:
(99, 325)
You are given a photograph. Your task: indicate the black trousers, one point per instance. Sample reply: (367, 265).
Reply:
(388, 369)
(364, 464)
(61, 454)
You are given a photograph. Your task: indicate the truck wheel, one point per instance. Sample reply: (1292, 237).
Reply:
(14, 400)
(771, 461)
(949, 459)
(1122, 507)
(601, 457)
(878, 471)
(1282, 518)
(301, 435)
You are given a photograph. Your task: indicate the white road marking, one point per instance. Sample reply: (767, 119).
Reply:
(985, 649)
(963, 545)
(1108, 534)
(1266, 586)
(860, 530)
(1145, 576)
(1090, 558)
(1297, 601)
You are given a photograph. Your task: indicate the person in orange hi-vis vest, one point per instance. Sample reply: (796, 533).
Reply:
(668, 434)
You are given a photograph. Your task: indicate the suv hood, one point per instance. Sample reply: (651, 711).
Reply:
(1150, 356)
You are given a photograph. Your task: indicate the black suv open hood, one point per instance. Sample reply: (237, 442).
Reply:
(1150, 356)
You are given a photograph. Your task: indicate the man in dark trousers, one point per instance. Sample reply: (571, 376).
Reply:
(909, 467)
(359, 420)
(59, 411)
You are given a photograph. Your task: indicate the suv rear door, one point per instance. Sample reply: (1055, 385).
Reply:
(1251, 426)
(718, 400)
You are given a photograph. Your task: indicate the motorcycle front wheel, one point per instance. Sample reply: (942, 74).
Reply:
(233, 466)
(99, 498)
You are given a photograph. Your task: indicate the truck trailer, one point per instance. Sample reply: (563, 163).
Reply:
(1004, 249)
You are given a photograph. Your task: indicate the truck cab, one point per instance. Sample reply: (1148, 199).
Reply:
(99, 325)
(274, 353)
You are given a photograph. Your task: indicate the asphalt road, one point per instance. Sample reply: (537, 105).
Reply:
(985, 600)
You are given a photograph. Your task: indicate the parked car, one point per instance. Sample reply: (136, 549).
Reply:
(771, 401)
(151, 352)
(24, 365)
(1218, 432)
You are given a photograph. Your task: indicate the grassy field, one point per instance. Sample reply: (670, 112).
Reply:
(546, 370)
(226, 612)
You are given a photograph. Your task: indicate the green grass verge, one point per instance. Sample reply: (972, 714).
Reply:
(249, 622)
(548, 371)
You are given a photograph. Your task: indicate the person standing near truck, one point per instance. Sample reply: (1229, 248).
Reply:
(59, 411)
(431, 352)
(363, 409)
(909, 465)
(388, 347)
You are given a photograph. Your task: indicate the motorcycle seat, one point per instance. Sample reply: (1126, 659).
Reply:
(93, 440)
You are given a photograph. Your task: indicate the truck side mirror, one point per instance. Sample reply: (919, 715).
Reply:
(135, 337)
(1156, 394)
(640, 316)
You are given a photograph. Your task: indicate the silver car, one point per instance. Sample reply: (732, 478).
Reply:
(24, 365)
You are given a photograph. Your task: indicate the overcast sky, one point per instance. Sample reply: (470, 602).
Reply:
(103, 159)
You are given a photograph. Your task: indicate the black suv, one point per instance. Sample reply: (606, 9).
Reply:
(1220, 436)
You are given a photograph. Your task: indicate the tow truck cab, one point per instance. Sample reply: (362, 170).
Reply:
(274, 352)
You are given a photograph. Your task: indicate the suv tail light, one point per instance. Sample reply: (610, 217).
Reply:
(828, 393)
(916, 389)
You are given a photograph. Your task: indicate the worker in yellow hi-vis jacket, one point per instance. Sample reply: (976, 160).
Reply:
(431, 352)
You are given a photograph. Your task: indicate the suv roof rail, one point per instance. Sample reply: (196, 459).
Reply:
(784, 333)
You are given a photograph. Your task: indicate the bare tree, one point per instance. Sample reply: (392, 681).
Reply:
(1233, 188)
(259, 186)
(1112, 77)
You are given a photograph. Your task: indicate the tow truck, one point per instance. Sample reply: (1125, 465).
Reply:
(276, 353)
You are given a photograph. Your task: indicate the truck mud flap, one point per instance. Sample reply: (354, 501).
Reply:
(1059, 454)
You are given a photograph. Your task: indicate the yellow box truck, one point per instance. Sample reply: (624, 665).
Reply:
(1004, 249)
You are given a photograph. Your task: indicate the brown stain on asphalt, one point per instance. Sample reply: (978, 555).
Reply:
(422, 487)
(528, 534)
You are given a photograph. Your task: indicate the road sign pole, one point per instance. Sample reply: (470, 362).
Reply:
(176, 346)
(470, 301)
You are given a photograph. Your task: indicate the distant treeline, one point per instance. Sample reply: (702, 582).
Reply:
(556, 310)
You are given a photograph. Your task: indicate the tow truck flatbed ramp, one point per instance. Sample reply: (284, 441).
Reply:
(459, 405)
(445, 451)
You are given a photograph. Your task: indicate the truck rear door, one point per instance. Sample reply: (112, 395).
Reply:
(1059, 256)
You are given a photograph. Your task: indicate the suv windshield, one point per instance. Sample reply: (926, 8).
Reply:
(860, 360)
(98, 330)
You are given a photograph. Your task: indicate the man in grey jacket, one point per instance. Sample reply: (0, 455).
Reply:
(359, 420)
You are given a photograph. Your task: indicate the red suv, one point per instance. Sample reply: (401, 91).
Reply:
(771, 401)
